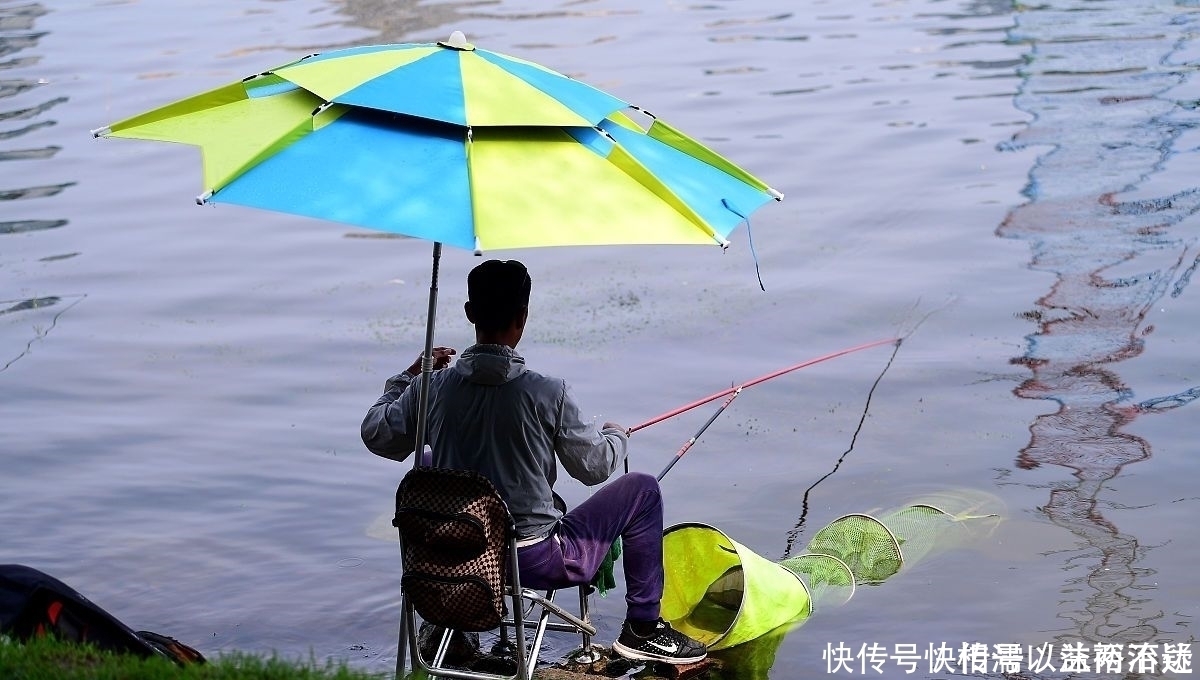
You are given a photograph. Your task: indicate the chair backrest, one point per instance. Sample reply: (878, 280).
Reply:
(455, 534)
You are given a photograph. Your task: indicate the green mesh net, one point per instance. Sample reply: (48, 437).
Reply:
(724, 594)
(864, 543)
(828, 579)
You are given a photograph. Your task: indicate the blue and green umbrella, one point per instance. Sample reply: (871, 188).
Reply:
(454, 144)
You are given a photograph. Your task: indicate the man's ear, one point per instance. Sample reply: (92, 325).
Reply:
(467, 311)
(523, 317)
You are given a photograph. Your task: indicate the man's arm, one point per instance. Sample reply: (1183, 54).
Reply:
(388, 428)
(588, 453)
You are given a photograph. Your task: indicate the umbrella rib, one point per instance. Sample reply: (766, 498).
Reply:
(681, 206)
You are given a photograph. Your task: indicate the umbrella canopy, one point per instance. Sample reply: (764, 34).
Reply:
(457, 145)
(612, 176)
(457, 83)
(474, 188)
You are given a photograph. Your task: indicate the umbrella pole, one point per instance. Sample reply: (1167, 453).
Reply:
(427, 357)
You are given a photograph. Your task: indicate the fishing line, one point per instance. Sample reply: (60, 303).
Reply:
(733, 393)
(794, 534)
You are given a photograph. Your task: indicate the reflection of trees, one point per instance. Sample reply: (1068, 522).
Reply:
(397, 20)
(1097, 85)
(16, 35)
(21, 119)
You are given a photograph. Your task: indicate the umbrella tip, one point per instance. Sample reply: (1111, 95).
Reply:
(457, 41)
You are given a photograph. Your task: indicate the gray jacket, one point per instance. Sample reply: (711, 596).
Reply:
(489, 414)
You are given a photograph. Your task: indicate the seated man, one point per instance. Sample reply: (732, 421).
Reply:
(490, 414)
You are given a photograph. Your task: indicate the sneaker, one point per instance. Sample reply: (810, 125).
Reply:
(664, 644)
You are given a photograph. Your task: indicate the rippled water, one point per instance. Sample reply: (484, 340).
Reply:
(180, 388)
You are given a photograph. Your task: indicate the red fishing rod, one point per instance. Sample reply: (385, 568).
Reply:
(734, 391)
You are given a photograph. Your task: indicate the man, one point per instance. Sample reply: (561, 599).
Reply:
(490, 414)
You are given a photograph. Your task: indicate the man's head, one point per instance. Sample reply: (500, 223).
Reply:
(498, 296)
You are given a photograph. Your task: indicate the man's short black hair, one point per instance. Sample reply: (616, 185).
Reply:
(498, 291)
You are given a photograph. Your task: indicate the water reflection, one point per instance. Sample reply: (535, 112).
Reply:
(397, 20)
(16, 35)
(39, 331)
(1098, 87)
(22, 117)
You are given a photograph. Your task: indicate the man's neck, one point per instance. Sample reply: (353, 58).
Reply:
(506, 339)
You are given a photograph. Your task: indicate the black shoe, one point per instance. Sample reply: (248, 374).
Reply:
(663, 643)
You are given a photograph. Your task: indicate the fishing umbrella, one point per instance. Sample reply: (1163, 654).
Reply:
(457, 145)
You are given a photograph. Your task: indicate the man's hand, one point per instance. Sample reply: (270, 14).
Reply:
(614, 426)
(441, 359)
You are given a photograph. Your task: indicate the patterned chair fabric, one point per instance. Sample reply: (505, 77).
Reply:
(454, 532)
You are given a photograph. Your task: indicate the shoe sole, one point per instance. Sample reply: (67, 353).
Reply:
(636, 655)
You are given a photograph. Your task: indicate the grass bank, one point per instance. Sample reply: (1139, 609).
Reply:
(47, 659)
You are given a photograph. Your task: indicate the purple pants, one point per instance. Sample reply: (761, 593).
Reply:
(630, 507)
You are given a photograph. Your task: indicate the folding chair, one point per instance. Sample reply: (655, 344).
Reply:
(459, 548)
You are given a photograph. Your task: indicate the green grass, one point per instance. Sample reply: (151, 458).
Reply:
(47, 659)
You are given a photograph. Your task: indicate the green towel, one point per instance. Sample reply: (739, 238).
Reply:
(605, 579)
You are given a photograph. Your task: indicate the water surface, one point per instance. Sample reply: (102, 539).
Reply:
(181, 387)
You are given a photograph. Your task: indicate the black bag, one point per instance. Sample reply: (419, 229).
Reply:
(34, 604)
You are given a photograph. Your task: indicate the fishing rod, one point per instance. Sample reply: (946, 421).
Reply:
(688, 445)
(732, 392)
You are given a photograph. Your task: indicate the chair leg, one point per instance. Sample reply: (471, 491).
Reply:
(503, 645)
(443, 647)
(525, 665)
(402, 642)
(564, 621)
(588, 654)
(539, 632)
